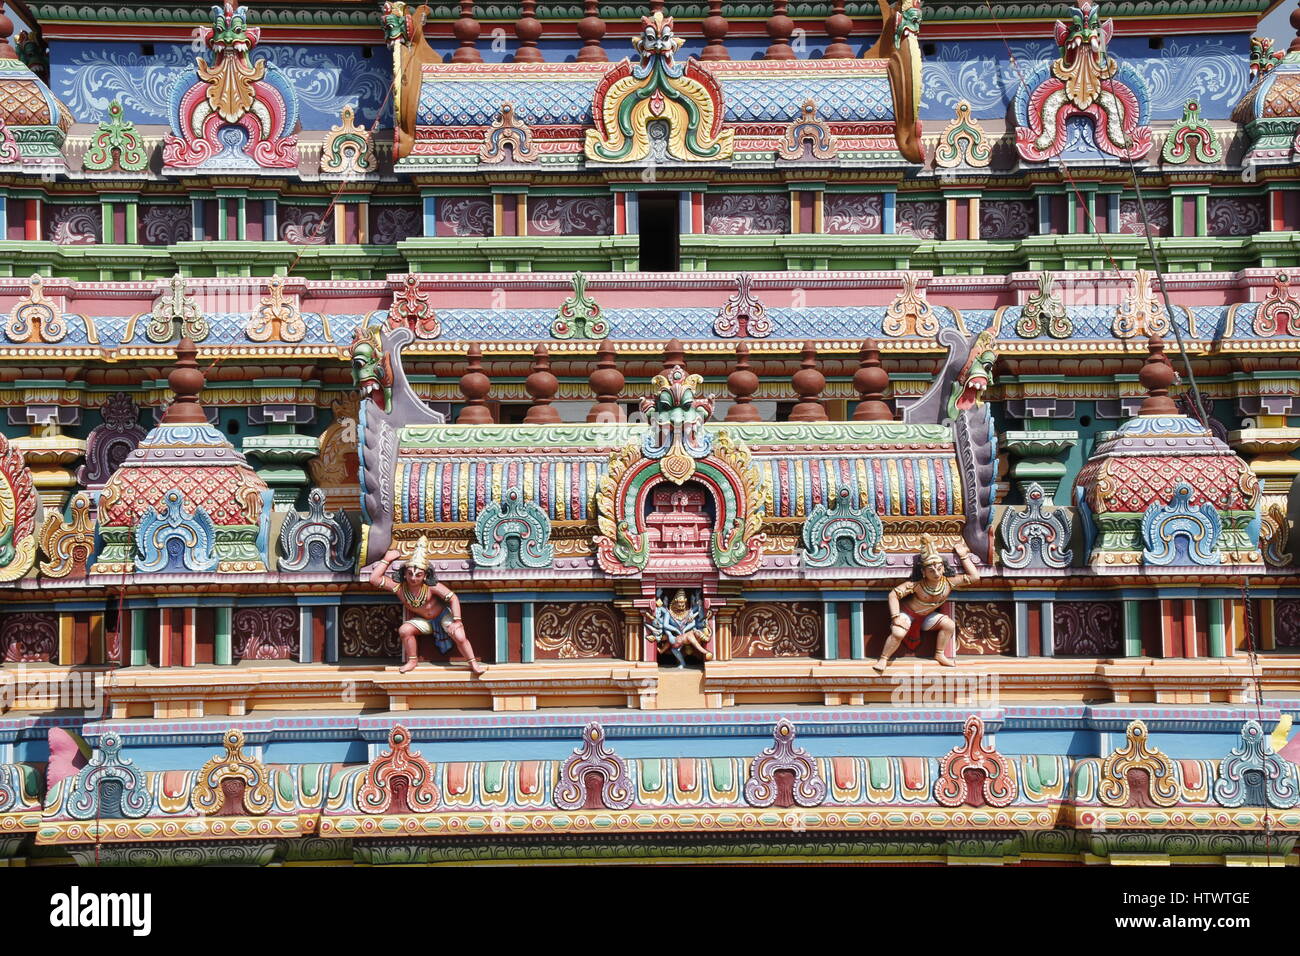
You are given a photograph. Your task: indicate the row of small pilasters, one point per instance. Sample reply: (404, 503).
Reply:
(1154, 627)
(179, 632)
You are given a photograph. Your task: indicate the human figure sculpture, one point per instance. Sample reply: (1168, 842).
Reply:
(678, 625)
(916, 606)
(430, 607)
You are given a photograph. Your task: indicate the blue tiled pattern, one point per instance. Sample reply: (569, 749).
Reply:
(861, 99)
(478, 102)
(1243, 321)
(543, 102)
(977, 320)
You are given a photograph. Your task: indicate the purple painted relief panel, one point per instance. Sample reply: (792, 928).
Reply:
(1130, 217)
(390, 224)
(304, 225)
(73, 225)
(163, 225)
(1007, 218)
(1236, 215)
(570, 215)
(922, 219)
(747, 214)
(1088, 628)
(464, 216)
(853, 213)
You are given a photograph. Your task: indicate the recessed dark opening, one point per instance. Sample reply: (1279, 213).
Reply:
(512, 414)
(1085, 421)
(659, 225)
(928, 49)
(146, 49)
(1156, 43)
(367, 52)
(232, 427)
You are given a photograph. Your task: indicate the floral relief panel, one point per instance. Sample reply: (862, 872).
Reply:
(921, 218)
(855, 214)
(747, 214)
(570, 215)
(464, 216)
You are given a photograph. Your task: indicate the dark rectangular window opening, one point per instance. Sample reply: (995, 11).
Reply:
(659, 223)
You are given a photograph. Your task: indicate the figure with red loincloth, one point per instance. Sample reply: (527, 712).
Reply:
(916, 606)
(431, 608)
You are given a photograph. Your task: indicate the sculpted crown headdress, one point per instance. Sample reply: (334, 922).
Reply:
(930, 551)
(420, 557)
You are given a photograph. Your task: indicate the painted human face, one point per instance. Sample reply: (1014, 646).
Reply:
(933, 573)
(679, 601)
(415, 575)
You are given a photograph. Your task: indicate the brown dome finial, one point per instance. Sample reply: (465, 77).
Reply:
(542, 386)
(475, 386)
(186, 381)
(674, 354)
(7, 52)
(808, 384)
(871, 380)
(743, 383)
(1156, 376)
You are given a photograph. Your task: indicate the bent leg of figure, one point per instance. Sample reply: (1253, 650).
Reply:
(410, 656)
(694, 642)
(681, 658)
(896, 635)
(943, 646)
(456, 631)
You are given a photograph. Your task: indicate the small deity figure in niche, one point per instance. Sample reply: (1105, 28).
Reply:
(431, 608)
(680, 624)
(922, 603)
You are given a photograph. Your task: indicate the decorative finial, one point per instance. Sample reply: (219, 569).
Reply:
(1156, 376)
(529, 30)
(606, 381)
(838, 27)
(474, 385)
(715, 27)
(542, 386)
(7, 52)
(467, 29)
(779, 28)
(591, 30)
(808, 384)
(674, 354)
(871, 380)
(186, 381)
(743, 383)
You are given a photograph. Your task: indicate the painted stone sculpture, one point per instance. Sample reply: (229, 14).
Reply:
(431, 608)
(1085, 101)
(658, 108)
(1035, 538)
(916, 606)
(316, 541)
(512, 534)
(20, 514)
(679, 625)
(842, 534)
(234, 112)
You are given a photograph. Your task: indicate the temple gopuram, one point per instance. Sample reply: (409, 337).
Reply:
(556, 431)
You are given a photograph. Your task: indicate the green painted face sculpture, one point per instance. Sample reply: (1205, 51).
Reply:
(372, 372)
(230, 29)
(975, 378)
